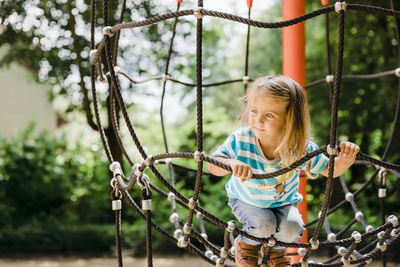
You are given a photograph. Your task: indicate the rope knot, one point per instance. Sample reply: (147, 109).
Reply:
(245, 79)
(340, 6)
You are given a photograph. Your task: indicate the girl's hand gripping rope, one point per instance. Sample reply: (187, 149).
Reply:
(240, 170)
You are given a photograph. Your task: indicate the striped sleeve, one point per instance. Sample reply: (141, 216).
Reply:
(228, 149)
(319, 162)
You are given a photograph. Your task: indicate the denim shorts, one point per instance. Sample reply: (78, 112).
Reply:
(284, 223)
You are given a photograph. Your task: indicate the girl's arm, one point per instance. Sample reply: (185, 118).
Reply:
(345, 159)
(239, 169)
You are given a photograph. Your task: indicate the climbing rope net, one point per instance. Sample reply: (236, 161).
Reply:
(349, 250)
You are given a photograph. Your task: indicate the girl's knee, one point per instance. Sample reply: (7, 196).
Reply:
(290, 231)
(262, 226)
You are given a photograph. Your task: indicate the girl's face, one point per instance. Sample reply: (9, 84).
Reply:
(267, 116)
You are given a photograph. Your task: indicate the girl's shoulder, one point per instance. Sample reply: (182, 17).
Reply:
(311, 146)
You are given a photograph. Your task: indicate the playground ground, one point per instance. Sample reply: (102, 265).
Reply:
(163, 261)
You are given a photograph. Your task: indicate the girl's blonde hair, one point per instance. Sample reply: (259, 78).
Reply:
(296, 132)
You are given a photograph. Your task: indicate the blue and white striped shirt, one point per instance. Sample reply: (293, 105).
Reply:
(264, 193)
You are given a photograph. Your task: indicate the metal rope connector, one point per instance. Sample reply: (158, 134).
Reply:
(302, 251)
(192, 203)
(231, 226)
(182, 243)
(174, 217)
(329, 78)
(197, 13)
(359, 216)
(149, 161)
(164, 78)
(304, 263)
(187, 229)
(349, 196)
(332, 151)
(107, 30)
(346, 262)
(168, 161)
(340, 6)
(197, 155)
(356, 236)
(314, 244)
(331, 237)
(178, 233)
(381, 247)
(117, 70)
(245, 79)
(397, 72)
(368, 261)
(393, 220)
(271, 242)
(146, 204)
(369, 228)
(92, 57)
(116, 204)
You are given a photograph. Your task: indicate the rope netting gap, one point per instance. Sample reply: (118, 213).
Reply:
(386, 234)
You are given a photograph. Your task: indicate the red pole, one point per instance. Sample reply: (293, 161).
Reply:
(294, 66)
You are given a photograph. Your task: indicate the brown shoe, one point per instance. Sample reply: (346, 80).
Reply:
(245, 255)
(278, 259)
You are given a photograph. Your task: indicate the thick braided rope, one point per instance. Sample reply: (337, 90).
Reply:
(93, 85)
(199, 109)
(333, 133)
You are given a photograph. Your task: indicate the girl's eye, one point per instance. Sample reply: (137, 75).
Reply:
(269, 115)
(253, 111)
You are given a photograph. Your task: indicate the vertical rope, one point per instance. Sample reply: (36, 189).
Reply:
(93, 85)
(246, 67)
(333, 132)
(118, 236)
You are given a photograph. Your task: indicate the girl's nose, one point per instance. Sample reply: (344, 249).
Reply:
(260, 119)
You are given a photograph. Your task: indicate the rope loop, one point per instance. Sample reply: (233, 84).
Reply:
(197, 12)
(340, 6)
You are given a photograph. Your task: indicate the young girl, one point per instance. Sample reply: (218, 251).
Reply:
(275, 134)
